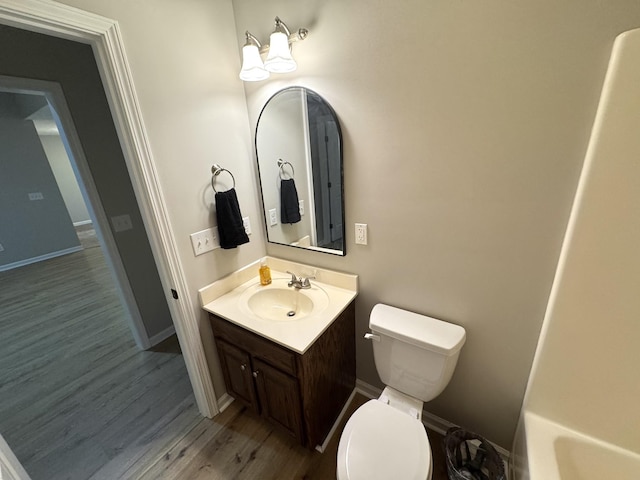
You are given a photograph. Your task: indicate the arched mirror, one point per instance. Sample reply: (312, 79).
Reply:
(299, 151)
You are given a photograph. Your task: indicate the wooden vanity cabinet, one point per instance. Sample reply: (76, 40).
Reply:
(302, 394)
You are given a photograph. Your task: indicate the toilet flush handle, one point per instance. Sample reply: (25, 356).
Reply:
(372, 336)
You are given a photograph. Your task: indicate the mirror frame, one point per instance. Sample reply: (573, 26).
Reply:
(343, 251)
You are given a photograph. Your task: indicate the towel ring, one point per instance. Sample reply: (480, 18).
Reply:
(281, 164)
(217, 170)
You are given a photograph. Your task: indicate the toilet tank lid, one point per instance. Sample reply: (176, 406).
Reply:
(416, 329)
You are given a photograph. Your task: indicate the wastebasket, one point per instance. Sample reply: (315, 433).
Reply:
(463, 464)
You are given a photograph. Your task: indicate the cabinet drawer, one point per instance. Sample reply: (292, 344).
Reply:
(259, 347)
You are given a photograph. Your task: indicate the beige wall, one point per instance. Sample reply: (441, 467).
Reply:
(465, 126)
(586, 375)
(185, 69)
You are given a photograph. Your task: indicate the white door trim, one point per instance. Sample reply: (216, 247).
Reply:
(10, 467)
(58, 20)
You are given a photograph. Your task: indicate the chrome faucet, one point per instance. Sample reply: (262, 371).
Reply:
(299, 282)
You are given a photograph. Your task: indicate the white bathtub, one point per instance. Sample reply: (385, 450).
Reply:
(555, 452)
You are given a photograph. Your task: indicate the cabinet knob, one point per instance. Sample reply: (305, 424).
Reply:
(243, 367)
(255, 374)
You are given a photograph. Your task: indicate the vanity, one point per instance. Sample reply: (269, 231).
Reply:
(295, 370)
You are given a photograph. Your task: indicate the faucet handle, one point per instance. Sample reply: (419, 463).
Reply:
(294, 278)
(305, 281)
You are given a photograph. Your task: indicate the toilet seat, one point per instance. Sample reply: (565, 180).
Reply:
(380, 442)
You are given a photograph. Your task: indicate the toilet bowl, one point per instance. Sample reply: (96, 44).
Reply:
(383, 442)
(415, 356)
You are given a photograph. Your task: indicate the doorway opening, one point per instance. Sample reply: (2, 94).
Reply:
(78, 393)
(49, 205)
(90, 48)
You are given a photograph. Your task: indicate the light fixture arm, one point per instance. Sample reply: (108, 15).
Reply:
(252, 40)
(296, 36)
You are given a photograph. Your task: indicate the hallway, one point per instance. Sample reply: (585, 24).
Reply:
(75, 391)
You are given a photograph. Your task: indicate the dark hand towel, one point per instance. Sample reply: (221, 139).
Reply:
(289, 207)
(230, 227)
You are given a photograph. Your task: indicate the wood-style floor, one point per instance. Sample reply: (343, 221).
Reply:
(79, 401)
(75, 392)
(239, 445)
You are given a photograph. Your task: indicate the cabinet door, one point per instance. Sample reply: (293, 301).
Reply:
(279, 396)
(236, 367)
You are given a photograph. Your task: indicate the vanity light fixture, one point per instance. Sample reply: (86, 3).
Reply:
(252, 67)
(279, 58)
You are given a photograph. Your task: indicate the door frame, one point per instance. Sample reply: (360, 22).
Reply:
(103, 35)
(10, 466)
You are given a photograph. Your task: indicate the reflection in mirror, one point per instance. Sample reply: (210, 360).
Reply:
(299, 151)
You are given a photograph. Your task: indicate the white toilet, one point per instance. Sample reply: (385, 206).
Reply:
(415, 357)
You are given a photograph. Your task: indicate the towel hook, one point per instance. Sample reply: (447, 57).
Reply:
(217, 170)
(281, 164)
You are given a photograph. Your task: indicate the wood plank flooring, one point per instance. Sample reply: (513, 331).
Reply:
(75, 393)
(239, 445)
(79, 401)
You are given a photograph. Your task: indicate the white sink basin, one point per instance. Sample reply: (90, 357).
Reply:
(264, 310)
(279, 302)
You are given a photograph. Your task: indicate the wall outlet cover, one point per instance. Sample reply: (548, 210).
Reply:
(247, 225)
(36, 196)
(361, 233)
(121, 223)
(273, 217)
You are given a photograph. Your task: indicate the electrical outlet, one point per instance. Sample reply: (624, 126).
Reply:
(273, 217)
(247, 225)
(36, 196)
(121, 223)
(301, 207)
(205, 240)
(361, 233)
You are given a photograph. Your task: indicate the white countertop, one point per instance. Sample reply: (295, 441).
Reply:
(225, 298)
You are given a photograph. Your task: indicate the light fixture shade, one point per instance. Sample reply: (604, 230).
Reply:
(252, 67)
(279, 59)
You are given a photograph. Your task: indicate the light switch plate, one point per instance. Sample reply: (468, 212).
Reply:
(361, 233)
(273, 217)
(205, 240)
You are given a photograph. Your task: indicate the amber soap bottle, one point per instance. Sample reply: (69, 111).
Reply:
(265, 273)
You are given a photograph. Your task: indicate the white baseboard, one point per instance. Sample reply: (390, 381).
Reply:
(82, 222)
(321, 448)
(39, 258)
(367, 390)
(224, 401)
(434, 422)
(159, 337)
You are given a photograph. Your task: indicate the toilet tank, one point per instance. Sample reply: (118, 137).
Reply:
(416, 354)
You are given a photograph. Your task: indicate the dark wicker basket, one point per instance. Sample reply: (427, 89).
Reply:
(486, 464)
